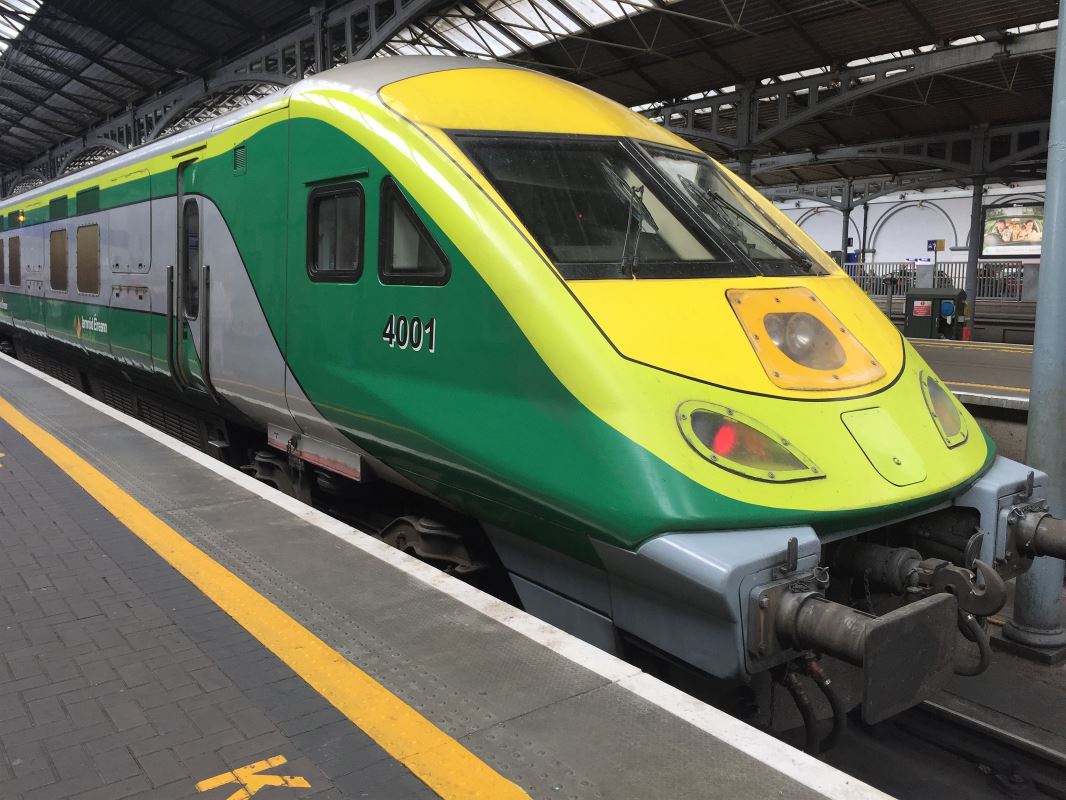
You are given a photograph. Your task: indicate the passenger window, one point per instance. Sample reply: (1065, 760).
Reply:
(335, 233)
(58, 264)
(88, 259)
(14, 261)
(190, 258)
(408, 253)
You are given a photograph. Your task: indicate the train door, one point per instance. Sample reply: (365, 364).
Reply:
(188, 290)
(130, 300)
(33, 248)
(331, 202)
(324, 286)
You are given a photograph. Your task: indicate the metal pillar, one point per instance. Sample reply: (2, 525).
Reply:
(1037, 619)
(970, 285)
(745, 157)
(865, 221)
(320, 51)
(845, 209)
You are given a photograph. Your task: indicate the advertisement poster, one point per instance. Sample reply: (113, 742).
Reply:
(1012, 231)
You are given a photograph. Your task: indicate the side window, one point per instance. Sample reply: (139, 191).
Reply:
(88, 259)
(3, 260)
(190, 258)
(58, 262)
(335, 233)
(14, 261)
(408, 253)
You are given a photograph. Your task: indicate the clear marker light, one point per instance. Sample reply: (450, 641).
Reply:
(943, 411)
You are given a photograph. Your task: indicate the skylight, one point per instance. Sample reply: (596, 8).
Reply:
(14, 14)
(505, 28)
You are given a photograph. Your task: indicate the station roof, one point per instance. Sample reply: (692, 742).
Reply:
(66, 64)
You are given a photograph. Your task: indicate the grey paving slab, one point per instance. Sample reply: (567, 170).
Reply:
(158, 687)
(108, 694)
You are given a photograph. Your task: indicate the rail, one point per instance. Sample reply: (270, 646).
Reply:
(996, 280)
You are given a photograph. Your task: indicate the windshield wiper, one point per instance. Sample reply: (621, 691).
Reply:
(719, 206)
(637, 215)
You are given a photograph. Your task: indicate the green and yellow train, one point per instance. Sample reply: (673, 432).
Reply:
(662, 409)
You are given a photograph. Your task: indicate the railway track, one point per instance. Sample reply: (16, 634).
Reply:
(935, 751)
(1014, 764)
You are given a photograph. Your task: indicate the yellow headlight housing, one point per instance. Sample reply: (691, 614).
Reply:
(799, 342)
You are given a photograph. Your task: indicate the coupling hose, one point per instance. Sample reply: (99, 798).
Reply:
(972, 630)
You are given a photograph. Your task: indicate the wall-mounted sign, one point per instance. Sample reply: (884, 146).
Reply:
(1012, 231)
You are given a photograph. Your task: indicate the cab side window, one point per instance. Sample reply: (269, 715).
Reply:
(335, 233)
(190, 258)
(408, 253)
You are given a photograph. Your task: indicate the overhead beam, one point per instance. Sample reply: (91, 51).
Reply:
(834, 193)
(962, 152)
(279, 61)
(76, 12)
(803, 99)
(100, 59)
(18, 69)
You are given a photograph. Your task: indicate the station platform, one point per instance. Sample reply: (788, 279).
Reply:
(171, 628)
(982, 373)
(992, 381)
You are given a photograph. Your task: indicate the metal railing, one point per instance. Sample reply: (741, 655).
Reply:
(996, 280)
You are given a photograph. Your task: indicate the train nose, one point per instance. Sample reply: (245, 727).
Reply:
(886, 445)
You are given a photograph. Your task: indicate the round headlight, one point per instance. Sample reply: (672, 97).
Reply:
(776, 327)
(805, 339)
(802, 333)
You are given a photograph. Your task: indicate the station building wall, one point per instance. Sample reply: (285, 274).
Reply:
(899, 225)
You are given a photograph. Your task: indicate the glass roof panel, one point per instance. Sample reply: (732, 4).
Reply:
(504, 28)
(14, 14)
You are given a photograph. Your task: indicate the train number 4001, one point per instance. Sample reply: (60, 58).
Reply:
(410, 332)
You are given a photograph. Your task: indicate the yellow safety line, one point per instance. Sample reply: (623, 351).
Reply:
(989, 386)
(436, 758)
(1003, 348)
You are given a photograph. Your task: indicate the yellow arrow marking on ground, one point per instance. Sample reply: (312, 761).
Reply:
(251, 781)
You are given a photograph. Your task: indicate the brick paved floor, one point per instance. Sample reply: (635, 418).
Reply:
(119, 679)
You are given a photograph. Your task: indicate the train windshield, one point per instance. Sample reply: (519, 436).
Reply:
(609, 208)
(730, 212)
(596, 210)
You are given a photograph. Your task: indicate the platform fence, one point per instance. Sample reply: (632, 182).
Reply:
(996, 280)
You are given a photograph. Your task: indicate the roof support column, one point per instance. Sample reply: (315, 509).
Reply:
(744, 151)
(970, 284)
(1037, 620)
(320, 50)
(745, 157)
(865, 224)
(845, 209)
